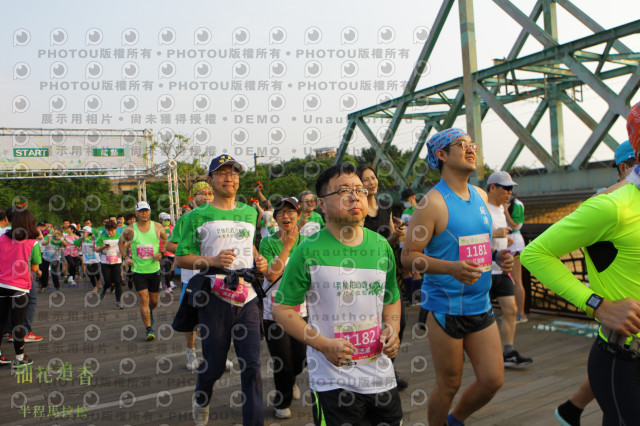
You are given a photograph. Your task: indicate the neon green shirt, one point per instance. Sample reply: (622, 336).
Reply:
(612, 220)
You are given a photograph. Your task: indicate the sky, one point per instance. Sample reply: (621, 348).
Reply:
(275, 79)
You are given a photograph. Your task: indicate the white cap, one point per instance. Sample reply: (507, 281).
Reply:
(142, 205)
(165, 216)
(501, 178)
(86, 229)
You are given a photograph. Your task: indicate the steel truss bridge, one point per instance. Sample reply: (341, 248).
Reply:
(555, 76)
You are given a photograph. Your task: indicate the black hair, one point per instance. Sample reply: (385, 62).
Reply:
(331, 172)
(630, 162)
(407, 193)
(23, 225)
(3, 214)
(110, 225)
(129, 216)
(440, 163)
(86, 219)
(364, 167)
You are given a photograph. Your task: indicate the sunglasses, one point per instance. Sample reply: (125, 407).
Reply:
(506, 188)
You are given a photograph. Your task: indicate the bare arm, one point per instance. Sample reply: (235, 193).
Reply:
(389, 336)
(278, 264)
(172, 247)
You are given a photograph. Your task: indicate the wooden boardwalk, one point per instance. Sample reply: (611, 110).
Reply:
(140, 383)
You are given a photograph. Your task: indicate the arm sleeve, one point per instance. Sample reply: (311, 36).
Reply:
(295, 281)
(391, 292)
(36, 255)
(595, 220)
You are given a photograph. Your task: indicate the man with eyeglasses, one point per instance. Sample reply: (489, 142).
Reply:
(499, 189)
(217, 238)
(347, 275)
(449, 239)
(310, 221)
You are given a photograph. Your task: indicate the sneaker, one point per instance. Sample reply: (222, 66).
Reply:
(42, 290)
(514, 359)
(32, 338)
(119, 305)
(200, 414)
(169, 290)
(150, 336)
(4, 360)
(15, 364)
(296, 392)
(521, 319)
(71, 282)
(172, 285)
(192, 360)
(10, 338)
(229, 365)
(283, 413)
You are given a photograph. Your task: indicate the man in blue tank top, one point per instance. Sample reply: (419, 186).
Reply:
(449, 239)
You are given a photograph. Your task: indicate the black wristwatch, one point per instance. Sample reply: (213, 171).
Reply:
(593, 303)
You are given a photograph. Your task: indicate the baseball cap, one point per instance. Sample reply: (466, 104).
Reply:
(624, 152)
(41, 224)
(223, 160)
(501, 178)
(142, 205)
(86, 229)
(164, 216)
(283, 202)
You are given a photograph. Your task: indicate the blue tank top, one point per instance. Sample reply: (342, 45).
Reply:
(445, 294)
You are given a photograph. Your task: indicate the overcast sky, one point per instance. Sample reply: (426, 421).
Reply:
(276, 78)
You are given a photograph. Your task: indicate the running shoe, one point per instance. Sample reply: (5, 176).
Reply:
(150, 336)
(229, 365)
(15, 364)
(32, 338)
(283, 413)
(10, 338)
(521, 319)
(4, 360)
(200, 414)
(514, 359)
(192, 360)
(119, 305)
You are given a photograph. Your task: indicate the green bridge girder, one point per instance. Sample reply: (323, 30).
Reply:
(564, 69)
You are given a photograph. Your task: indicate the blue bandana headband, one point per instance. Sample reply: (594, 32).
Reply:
(439, 141)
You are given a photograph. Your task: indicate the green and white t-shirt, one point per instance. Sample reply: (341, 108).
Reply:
(406, 215)
(345, 289)
(270, 248)
(313, 225)
(87, 249)
(208, 230)
(110, 255)
(52, 251)
(185, 274)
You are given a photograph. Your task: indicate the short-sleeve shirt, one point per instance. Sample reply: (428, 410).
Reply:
(87, 249)
(313, 225)
(208, 230)
(270, 248)
(110, 255)
(344, 287)
(52, 251)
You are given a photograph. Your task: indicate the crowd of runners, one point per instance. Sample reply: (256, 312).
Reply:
(325, 276)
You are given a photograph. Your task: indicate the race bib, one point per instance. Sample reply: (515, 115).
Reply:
(236, 298)
(113, 258)
(476, 248)
(364, 335)
(87, 252)
(144, 251)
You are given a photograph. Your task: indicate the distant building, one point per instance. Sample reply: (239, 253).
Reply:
(325, 152)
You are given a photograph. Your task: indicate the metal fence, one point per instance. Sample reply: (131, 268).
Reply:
(539, 298)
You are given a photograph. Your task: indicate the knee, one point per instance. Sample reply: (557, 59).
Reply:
(491, 384)
(509, 308)
(449, 384)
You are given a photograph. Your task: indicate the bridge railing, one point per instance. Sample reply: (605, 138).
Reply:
(539, 298)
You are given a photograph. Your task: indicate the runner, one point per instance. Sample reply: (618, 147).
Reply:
(90, 259)
(168, 258)
(499, 190)
(52, 258)
(310, 221)
(449, 239)
(71, 254)
(218, 238)
(514, 212)
(380, 219)
(288, 354)
(20, 254)
(202, 193)
(110, 261)
(145, 236)
(570, 411)
(354, 315)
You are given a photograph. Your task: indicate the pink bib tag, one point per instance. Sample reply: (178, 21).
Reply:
(476, 248)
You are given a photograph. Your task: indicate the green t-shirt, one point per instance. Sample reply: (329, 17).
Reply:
(177, 229)
(609, 219)
(36, 255)
(53, 250)
(87, 245)
(313, 225)
(406, 214)
(345, 288)
(110, 255)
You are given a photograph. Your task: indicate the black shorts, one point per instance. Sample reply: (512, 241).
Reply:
(149, 282)
(458, 326)
(501, 286)
(339, 406)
